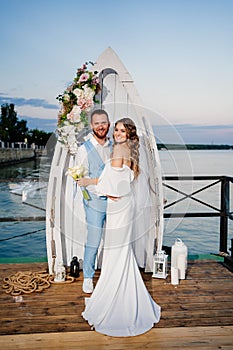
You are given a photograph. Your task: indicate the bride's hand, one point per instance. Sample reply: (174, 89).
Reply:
(86, 181)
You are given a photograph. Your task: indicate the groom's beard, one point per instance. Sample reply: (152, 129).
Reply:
(100, 136)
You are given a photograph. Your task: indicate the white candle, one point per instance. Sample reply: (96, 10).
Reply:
(24, 196)
(174, 275)
(181, 264)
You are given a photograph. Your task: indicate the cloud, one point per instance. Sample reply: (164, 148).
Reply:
(20, 101)
(48, 125)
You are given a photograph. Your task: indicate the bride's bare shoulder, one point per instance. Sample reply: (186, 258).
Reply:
(120, 150)
(120, 153)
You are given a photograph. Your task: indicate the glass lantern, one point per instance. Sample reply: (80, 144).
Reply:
(74, 267)
(60, 273)
(160, 265)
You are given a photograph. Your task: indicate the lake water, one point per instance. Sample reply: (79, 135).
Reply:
(22, 240)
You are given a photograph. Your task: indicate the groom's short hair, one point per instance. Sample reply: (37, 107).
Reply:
(99, 111)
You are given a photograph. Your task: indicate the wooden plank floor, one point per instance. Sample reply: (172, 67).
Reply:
(202, 302)
(187, 338)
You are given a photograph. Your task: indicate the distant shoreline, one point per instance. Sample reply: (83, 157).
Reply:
(165, 147)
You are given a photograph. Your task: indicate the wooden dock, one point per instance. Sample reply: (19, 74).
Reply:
(196, 314)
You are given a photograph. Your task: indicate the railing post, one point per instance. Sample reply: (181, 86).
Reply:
(225, 196)
(231, 248)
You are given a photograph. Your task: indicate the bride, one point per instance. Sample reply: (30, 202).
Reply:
(120, 304)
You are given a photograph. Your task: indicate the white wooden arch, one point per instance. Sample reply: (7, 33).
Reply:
(65, 219)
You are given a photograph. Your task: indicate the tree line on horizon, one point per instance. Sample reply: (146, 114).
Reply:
(168, 147)
(14, 130)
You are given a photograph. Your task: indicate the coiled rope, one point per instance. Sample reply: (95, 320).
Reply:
(29, 282)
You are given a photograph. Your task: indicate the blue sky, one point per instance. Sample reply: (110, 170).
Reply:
(179, 53)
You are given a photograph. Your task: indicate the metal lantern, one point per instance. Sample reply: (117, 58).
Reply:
(60, 273)
(74, 267)
(160, 265)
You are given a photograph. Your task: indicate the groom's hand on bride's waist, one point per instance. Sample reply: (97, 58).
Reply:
(113, 198)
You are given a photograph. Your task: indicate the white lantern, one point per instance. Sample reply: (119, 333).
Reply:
(60, 273)
(160, 265)
(179, 256)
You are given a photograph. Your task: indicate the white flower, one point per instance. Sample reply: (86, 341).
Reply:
(88, 92)
(78, 93)
(67, 136)
(77, 171)
(74, 115)
(66, 129)
(71, 138)
(72, 147)
(80, 126)
(74, 108)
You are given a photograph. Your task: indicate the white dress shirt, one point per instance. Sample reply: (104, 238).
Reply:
(82, 157)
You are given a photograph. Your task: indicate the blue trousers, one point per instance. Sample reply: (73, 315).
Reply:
(95, 217)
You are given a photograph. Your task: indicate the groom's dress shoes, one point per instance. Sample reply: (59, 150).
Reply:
(88, 285)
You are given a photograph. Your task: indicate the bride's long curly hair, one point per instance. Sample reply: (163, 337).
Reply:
(133, 143)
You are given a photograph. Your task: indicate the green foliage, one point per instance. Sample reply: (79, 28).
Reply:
(11, 130)
(14, 130)
(39, 137)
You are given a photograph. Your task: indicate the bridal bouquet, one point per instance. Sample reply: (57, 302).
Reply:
(77, 172)
(76, 102)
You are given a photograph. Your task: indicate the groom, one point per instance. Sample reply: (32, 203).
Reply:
(93, 154)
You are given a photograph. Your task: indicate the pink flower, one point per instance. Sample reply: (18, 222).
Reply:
(84, 77)
(74, 115)
(85, 104)
(95, 81)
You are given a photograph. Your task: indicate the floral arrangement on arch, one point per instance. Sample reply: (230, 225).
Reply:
(76, 102)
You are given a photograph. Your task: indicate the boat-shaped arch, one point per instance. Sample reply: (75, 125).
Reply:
(65, 217)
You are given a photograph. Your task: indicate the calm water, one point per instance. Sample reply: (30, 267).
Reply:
(201, 235)
(22, 239)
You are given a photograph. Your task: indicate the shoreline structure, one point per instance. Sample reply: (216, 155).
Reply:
(16, 155)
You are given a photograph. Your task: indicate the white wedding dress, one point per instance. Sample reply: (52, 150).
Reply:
(120, 304)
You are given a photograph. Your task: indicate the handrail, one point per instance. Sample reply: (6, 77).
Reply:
(223, 212)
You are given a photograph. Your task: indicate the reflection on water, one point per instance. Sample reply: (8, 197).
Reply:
(21, 170)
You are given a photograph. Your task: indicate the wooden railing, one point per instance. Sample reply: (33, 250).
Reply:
(223, 212)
